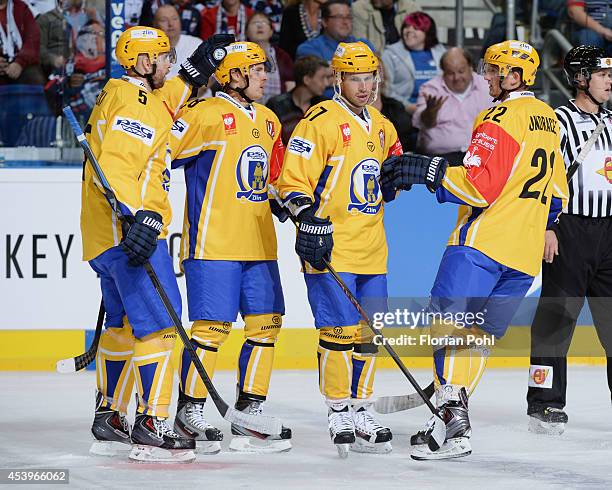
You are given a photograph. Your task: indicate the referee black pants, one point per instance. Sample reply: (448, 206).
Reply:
(582, 269)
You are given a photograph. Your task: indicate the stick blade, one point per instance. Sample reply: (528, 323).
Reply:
(66, 366)
(397, 403)
(437, 433)
(264, 424)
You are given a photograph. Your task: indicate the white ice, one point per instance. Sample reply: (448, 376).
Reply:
(46, 419)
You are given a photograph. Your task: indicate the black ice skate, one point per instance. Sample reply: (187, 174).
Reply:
(341, 426)
(110, 430)
(153, 440)
(190, 422)
(454, 411)
(370, 436)
(249, 441)
(547, 420)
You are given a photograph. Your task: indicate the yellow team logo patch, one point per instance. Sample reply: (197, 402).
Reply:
(252, 174)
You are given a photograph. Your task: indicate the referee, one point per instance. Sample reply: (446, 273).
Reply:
(578, 248)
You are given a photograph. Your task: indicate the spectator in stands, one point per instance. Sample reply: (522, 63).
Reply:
(413, 60)
(190, 15)
(394, 110)
(19, 45)
(89, 75)
(447, 106)
(229, 16)
(592, 23)
(337, 27)
(77, 16)
(301, 22)
(167, 19)
(380, 21)
(54, 46)
(273, 9)
(280, 78)
(312, 76)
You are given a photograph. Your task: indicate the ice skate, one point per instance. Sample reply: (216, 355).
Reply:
(249, 441)
(341, 427)
(154, 441)
(370, 436)
(547, 420)
(110, 430)
(190, 422)
(454, 412)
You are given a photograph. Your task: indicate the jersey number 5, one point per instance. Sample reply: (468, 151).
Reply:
(540, 160)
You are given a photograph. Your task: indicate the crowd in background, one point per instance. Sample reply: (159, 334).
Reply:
(429, 90)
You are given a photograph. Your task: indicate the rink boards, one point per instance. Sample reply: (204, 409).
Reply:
(50, 298)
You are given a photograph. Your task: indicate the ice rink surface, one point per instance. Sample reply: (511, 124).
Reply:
(46, 419)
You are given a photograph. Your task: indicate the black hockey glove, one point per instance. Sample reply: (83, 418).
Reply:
(314, 240)
(203, 62)
(279, 211)
(141, 238)
(402, 171)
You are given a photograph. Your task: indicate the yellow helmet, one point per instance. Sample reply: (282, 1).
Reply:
(141, 40)
(514, 54)
(241, 56)
(354, 58)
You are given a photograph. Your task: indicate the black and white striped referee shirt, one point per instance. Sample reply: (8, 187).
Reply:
(590, 190)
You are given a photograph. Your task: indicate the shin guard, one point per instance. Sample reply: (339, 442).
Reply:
(334, 357)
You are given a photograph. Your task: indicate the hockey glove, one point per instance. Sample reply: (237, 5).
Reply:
(402, 171)
(278, 211)
(141, 238)
(314, 240)
(203, 62)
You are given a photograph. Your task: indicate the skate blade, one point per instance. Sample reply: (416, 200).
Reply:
(151, 454)
(343, 450)
(550, 429)
(457, 447)
(245, 444)
(363, 446)
(208, 447)
(109, 448)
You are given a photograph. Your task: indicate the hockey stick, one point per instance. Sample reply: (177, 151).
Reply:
(437, 430)
(74, 364)
(398, 403)
(571, 170)
(259, 423)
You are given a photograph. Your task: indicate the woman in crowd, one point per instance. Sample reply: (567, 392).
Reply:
(413, 60)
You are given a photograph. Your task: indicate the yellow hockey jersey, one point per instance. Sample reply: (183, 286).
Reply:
(334, 158)
(511, 183)
(229, 154)
(128, 131)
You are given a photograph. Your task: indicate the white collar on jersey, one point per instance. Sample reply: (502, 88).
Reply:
(249, 112)
(518, 95)
(365, 122)
(132, 80)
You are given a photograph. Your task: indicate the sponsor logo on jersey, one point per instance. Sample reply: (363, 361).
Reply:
(229, 122)
(166, 180)
(135, 129)
(301, 147)
(345, 131)
(480, 150)
(179, 128)
(252, 174)
(270, 128)
(370, 146)
(364, 192)
(540, 376)
(255, 133)
(381, 137)
(606, 171)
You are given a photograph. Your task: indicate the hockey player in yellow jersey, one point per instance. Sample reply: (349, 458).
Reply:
(330, 183)
(128, 132)
(510, 187)
(230, 149)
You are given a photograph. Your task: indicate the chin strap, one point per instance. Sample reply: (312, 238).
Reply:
(586, 91)
(240, 90)
(148, 76)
